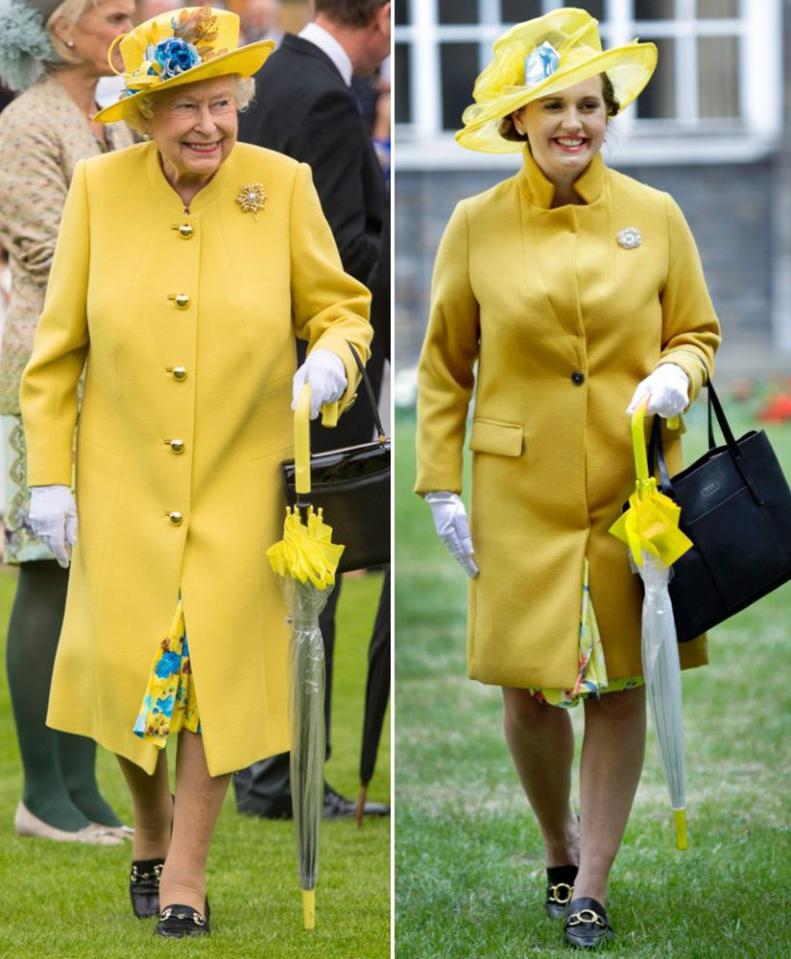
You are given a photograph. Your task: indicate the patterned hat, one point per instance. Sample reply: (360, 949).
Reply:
(24, 42)
(544, 56)
(178, 47)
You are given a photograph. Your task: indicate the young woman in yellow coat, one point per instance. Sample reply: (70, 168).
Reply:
(577, 291)
(185, 267)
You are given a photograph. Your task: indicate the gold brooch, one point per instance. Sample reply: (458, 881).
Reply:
(251, 198)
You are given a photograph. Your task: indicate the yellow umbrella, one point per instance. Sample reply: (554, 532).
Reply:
(306, 560)
(650, 529)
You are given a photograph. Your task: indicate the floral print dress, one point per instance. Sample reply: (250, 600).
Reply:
(169, 704)
(592, 678)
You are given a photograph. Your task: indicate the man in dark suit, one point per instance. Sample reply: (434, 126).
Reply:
(305, 107)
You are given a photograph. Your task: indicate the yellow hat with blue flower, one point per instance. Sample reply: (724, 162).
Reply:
(544, 56)
(178, 47)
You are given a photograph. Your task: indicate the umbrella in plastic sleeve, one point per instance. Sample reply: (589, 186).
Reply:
(306, 560)
(650, 529)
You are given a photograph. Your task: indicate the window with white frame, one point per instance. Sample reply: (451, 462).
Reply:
(719, 70)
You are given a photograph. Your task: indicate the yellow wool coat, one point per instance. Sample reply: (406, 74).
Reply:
(187, 321)
(563, 322)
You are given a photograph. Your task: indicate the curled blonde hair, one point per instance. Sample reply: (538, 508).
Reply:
(141, 109)
(72, 11)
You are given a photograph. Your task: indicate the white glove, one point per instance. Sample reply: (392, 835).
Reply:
(53, 519)
(450, 520)
(667, 389)
(324, 371)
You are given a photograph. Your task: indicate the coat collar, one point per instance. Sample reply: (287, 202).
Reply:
(204, 197)
(589, 185)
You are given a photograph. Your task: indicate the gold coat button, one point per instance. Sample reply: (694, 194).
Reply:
(185, 231)
(176, 446)
(182, 301)
(179, 373)
(175, 518)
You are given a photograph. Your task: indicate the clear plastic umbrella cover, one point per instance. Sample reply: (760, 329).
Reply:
(307, 721)
(662, 672)
(305, 561)
(650, 528)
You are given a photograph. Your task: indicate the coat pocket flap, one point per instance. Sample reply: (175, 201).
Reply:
(502, 439)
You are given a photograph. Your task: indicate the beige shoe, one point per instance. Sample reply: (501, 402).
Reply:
(122, 832)
(26, 824)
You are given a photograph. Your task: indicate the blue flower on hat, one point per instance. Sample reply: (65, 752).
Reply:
(541, 63)
(175, 56)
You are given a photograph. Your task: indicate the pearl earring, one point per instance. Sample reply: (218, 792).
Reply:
(70, 44)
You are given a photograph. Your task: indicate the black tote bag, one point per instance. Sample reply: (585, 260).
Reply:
(736, 508)
(352, 486)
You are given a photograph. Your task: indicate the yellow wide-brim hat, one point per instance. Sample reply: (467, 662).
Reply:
(544, 56)
(178, 47)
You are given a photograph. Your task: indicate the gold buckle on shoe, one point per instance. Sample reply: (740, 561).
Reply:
(194, 915)
(555, 891)
(585, 917)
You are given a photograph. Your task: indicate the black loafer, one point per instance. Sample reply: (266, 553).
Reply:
(144, 886)
(587, 925)
(560, 888)
(177, 921)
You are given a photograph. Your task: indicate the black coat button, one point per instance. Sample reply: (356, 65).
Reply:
(577, 378)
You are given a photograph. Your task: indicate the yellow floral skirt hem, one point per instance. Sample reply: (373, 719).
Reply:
(592, 678)
(169, 704)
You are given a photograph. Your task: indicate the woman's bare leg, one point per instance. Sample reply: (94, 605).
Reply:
(541, 741)
(153, 807)
(199, 798)
(612, 760)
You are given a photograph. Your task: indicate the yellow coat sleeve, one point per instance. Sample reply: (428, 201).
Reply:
(446, 369)
(48, 392)
(690, 330)
(331, 309)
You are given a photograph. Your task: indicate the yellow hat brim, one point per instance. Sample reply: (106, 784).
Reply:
(629, 68)
(245, 61)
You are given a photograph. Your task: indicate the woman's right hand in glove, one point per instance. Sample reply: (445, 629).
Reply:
(53, 518)
(450, 520)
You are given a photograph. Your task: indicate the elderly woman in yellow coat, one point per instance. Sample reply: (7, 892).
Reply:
(185, 267)
(579, 292)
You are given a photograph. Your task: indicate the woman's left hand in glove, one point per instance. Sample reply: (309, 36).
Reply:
(325, 373)
(667, 389)
(53, 518)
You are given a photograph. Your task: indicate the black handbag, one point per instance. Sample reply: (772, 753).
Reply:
(352, 486)
(736, 508)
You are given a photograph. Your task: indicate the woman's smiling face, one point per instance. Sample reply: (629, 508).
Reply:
(194, 128)
(566, 129)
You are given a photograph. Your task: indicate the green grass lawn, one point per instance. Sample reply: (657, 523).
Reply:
(63, 900)
(469, 868)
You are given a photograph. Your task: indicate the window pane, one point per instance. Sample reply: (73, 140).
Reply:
(658, 100)
(594, 7)
(459, 66)
(402, 84)
(517, 11)
(718, 76)
(457, 11)
(718, 8)
(401, 12)
(653, 10)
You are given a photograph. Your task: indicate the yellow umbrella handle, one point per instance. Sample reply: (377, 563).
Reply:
(330, 413)
(302, 441)
(638, 439)
(638, 442)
